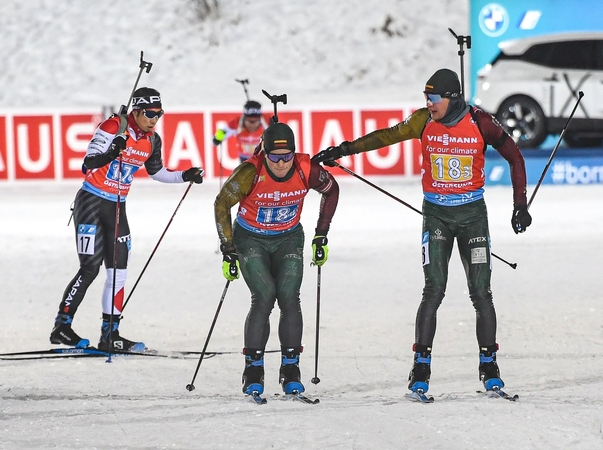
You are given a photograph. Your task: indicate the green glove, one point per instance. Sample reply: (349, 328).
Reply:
(320, 251)
(230, 266)
(218, 137)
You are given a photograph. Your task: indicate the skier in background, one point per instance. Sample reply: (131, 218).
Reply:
(454, 137)
(247, 128)
(266, 245)
(133, 138)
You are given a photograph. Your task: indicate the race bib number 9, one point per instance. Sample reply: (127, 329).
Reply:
(451, 168)
(278, 215)
(86, 235)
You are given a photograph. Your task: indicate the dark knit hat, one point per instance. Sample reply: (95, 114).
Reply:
(278, 136)
(146, 98)
(444, 82)
(252, 109)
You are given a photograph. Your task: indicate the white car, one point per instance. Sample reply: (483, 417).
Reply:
(532, 87)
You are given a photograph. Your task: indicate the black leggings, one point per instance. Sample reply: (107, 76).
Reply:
(272, 267)
(469, 225)
(94, 221)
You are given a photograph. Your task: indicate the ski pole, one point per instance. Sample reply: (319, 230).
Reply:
(546, 168)
(156, 246)
(316, 380)
(244, 82)
(191, 387)
(143, 65)
(345, 169)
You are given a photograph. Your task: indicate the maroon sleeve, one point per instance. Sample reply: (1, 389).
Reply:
(322, 181)
(497, 137)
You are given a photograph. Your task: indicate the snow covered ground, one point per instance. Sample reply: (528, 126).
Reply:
(549, 310)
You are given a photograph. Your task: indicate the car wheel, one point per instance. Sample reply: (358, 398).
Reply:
(524, 120)
(576, 139)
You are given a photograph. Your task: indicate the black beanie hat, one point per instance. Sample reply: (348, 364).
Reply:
(444, 82)
(252, 109)
(278, 136)
(146, 97)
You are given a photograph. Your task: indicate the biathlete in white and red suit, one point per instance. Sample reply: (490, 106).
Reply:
(267, 244)
(247, 128)
(120, 145)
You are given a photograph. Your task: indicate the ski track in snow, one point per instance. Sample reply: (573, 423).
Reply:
(548, 309)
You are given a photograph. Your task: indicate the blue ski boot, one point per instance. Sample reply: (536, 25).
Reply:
(418, 379)
(488, 369)
(290, 375)
(253, 375)
(62, 333)
(112, 341)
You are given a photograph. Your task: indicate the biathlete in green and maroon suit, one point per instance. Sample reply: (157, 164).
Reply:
(266, 243)
(454, 137)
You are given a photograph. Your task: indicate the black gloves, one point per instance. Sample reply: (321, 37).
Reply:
(328, 156)
(117, 146)
(216, 141)
(521, 219)
(194, 174)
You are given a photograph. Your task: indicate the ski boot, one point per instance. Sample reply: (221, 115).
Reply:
(62, 333)
(112, 341)
(488, 369)
(289, 374)
(418, 378)
(253, 375)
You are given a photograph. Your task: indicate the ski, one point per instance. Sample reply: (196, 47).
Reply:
(497, 392)
(296, 395)
(73, 352)
(256, 397)
(419, 396)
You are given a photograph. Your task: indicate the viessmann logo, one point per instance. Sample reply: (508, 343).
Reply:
(277, 195)
(493, 20)
(446, 139)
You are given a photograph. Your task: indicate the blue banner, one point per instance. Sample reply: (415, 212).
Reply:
(567, 167)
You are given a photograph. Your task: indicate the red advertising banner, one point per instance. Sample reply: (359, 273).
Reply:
(33, 139)
(388, 160)
(183, 140)
(3, 150)
(294, 120)
(52, 145)
(76, 132)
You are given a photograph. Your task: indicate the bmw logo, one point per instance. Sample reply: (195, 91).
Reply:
(493, 20)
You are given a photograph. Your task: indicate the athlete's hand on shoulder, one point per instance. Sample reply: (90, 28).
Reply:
(194, 175)
(330, 154)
